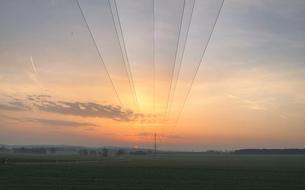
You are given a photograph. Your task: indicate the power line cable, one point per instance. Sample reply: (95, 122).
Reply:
(201, 60)
(154, 64)
(175, 59)
(99, 53)
(123, 49)
(173, 89)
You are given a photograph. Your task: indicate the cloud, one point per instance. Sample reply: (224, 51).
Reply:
(82, 109)
(248, 103)
(56, 122)
(50, 122)
(87, 109)
(14, 106)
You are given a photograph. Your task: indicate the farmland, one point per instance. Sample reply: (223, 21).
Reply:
(164, 171)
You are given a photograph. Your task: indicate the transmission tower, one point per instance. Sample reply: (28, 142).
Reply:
(155, 143)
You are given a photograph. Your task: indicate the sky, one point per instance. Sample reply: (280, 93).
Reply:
(112, 73)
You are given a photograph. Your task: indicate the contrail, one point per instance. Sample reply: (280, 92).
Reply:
(33, 65)
(33, 75)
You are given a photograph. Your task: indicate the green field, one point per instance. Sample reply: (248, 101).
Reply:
(175, 171)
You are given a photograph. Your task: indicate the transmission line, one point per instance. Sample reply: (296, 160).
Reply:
(198, 66)
(99, 53)
(154, 64)
(173, 88)
(123, 48)
(175, 59)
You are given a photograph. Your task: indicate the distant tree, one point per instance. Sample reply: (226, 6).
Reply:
(3, 149)
(24, 150)
(83, 152)
(105, 152)
(92, 152)
(39, 150)
(270, 151)
(138, 152)
(120, 152)
(52, 150)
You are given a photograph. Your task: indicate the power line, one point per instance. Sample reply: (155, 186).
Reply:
(99, 53)
(179, 66)
(175, 59)
(201, 60)
(155, 143)
(123, 49)
(154, 64)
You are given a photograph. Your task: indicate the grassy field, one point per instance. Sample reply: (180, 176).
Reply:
(175, 171)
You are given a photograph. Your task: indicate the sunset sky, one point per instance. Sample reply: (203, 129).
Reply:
(112, 73)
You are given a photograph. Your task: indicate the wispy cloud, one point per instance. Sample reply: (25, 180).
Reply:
(251, 104)
(82, 109)
(33, 65)
(56, 122)
(14, 106)
(50, 122)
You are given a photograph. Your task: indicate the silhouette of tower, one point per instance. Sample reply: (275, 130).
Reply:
(155, 144)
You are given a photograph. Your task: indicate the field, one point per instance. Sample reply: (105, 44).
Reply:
(185, 171)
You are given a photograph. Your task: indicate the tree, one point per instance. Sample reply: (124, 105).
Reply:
(105, 152)
(120, 152)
